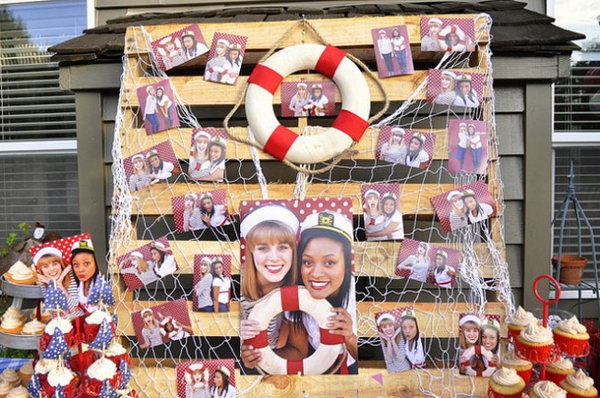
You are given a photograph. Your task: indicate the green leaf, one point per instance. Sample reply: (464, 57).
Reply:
(11, 239)
(24, 227)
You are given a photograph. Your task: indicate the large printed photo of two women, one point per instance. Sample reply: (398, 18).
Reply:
(305, 243)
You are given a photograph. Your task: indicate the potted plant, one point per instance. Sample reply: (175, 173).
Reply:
(571, 268)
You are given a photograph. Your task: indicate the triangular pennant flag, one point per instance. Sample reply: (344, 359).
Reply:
(59, 392)
(103, 338)
(107, 294)
(55, 298)
(378, 378)
(107, 391)
(125, 374)
(57, 346)
(33, 387)
(96, 290)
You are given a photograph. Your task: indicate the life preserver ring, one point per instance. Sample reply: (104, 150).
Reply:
(461, 37)
(295, 298)
(280, 141)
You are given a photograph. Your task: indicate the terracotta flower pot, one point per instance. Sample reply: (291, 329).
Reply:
(571, 268)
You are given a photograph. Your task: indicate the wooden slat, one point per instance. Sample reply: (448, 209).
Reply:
(435, 319)
(341, 32)
(371, 258)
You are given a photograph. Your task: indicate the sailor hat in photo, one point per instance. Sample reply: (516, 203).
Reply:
(149, 88)
(492, 323)
(136, 157)
(317, 86)
(464, 78)
(146, 311)
(385, 317)
(449, 73)
(217, 260)
(468, 192)
(151, 153)
(332, 221)
(192, 196)
(137, 255)
(223, 369)
(434, 21)
(206, 195)
(201, 134)
(382, 32)
(409, 313)
(472, 125)
(462, 124)
(301, 85)
(452, 194)
(389, 195)
(206, 260)
(398, 131)
(424, 245)
(469, 318)
(159, 246)
(196, 368)
(46, 251)
(419, 137)
(188, 33)
(235, 47)
(219, 140)
(372, 192)
(223, 42)
(271, 212)
(83, 245)
(442, 253)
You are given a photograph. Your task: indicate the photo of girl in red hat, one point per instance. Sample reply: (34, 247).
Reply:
(392, 51)
(147, 264)
(207, 155)
(479, 344)
(162, 324)
(390, 334)
(206, 379)
(382, 212)
(179, 47)
(199, 211)
(448, 34)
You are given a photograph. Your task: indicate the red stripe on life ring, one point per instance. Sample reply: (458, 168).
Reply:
(295, 367)
(330, 339)
(265, 77)
(280, 141)
(289, 298)
(330, 60)
(351, 124)
(261, 340)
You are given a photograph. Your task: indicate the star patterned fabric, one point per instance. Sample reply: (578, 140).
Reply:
(59, 392)
(103, 338)
(107, 391)
(96, 290)
(107, 294)
(33, 387)
(125, 374)
(57, 346)
(55, 298)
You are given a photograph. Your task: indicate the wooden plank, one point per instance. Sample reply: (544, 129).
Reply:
(371, 258)
(341, 32)
(435, 319)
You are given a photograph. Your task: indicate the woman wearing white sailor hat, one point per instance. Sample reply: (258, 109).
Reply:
(217, 64)
(416, 155)
(192, 48)
(223, 387)
(431, 42)
(394, 150)
(447, 94)
(458, 212)
(299, 100)
(318, 100)
(163, 261)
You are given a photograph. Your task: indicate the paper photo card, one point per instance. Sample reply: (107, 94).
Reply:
(406, 147)
(155, 164)
(401, 339)
(448, 34)
(210, 272)
(308, 98)
(479, 338)
(298, 242)
(467, 146)
(428, 263)
(201, 210)
(179, 47)
(392, 51)
(158, 107)
(464, 206)
(162, 324)
(455, 88)
(382, 211)
(211, 378)
(208, 151)
(147, 263)
(225, 58)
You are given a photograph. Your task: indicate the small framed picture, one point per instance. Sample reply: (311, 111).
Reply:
(212, 283)
(401, 339)
(225, 58)
(147, 263)
(448, 87)
(212, 378)
(382, 211)
(392, 51)
(428, 263)
(464, 206)
(448, 34)
(179, 47)
(467, 146)
(207, 154)
(158, 107)
(406, 147)
(155, 164)
(479, 339)
(308, 98)
(198, 211)
(162, 324)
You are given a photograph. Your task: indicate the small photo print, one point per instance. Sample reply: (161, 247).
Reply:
(406, 147)
(212, 283)
(467, 146)
(198, 211)
(308, 98)
(179, 47)
(147, 264)
(162, 324)
(428, 263)
(382, 211)
(206, 379)
(158, 107)
(225, 58)
(401, 340)
(447, 34)
(479, 338)
(392, 51)
(455, 88)
(148, 167)
(207, 154)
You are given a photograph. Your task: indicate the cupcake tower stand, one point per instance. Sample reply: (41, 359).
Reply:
(18, 293)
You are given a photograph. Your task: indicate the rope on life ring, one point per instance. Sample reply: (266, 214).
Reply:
(295, 298)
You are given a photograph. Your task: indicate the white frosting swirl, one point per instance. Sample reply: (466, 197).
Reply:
(20, 271)
(506, 377)
(27, 368)
(60, 375)
(11, 376)
(522, 317)
(96, 317)
(512, 359)
(547, 389)
(11, 323)
(61, 323)
(580, 380)
(34, 327)
(535, 333)
(44, 366)
(562, 364)
(13, 312)
(102, 369)
(5, 387)
(571, 326)
(18, 392)
(115, 349)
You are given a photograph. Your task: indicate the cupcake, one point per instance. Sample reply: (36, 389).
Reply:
(559, 370)
(547, 389)
(34, 327)
(21, 274)
(522, 366)
(535, 343)
(506, 383)
(116, 352)
(519, 321)
(14, 312)
(26, 372)
(18, 392)
(571, 337)
(46, 316)
(11, 377)
(11, 325)
(43, 367)
(102, 369)
(5, 387)
(579, 385)
(61, 376)
(64, 325)
(92, 323)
